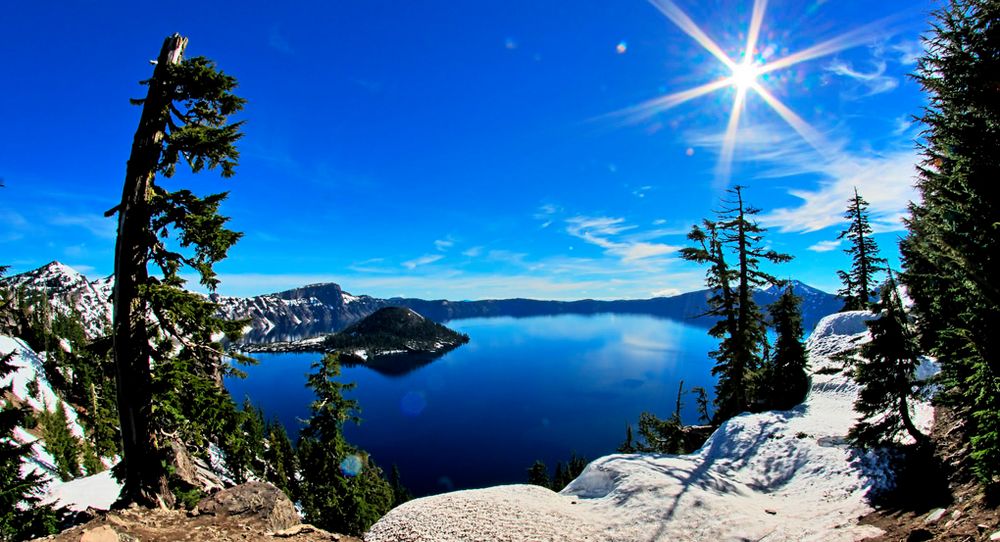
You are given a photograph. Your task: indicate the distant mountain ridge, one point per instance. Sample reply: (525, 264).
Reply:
(323, 308)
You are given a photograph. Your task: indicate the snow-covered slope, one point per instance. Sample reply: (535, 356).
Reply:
(771, 476)
(94, 491)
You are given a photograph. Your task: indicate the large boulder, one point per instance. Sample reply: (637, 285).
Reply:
(255, 504)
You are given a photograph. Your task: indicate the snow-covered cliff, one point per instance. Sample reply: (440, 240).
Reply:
(771, 476)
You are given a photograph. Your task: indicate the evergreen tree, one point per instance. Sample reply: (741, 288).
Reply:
(344, 490)
(399, 492)
(951, 267)
(859, 282)
(701, 399)
(885, 375)
(659, 436)
(628, 447)
(786, 376)
(60, 441)
(184, 114)
(741, 326)
(245, 446)
(21, 515)
(567, 473)
(538, 474)
(279, 460)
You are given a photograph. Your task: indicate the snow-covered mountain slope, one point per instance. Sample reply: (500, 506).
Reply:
(77, 494)
(771, 476)
(69, 290)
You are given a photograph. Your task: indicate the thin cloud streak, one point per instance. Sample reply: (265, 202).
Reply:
(885, 179)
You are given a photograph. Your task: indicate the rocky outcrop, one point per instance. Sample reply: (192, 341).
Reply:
(256, 504)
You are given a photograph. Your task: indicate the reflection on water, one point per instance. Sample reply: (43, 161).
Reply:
(520, 390)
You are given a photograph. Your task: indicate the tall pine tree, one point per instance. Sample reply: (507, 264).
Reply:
(859, 282)
(184, 116)
(886, 375)
(950, 255)
(741, 327)
(786, 377)
(343, 490)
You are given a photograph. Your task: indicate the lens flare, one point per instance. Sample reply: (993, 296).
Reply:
(352, 465)
(745, 76)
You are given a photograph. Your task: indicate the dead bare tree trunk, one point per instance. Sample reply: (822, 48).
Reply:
(145, 480)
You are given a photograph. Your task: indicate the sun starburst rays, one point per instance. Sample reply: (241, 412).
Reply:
(745, 74)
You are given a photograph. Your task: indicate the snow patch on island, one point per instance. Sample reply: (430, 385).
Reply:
(784, 475)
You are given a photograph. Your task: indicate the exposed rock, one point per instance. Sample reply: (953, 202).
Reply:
(103, 533)
(258, 504)
(935, 515)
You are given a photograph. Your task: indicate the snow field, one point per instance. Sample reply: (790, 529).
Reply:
(771, 476)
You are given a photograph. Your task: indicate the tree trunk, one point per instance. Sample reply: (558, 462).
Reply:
(145, 480)
(904, 414)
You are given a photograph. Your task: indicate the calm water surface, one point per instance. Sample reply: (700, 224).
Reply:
(520, 390)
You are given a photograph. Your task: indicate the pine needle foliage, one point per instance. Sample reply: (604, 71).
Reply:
(951, 268)
(157, 322)
(859, 281)
(741, 327)
(60, 442)
(343, 490)
(886, 375)
(785, 379)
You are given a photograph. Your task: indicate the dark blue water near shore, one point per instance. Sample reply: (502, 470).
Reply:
(521, 390)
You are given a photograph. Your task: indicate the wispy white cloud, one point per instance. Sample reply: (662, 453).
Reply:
(874, 81)
(825, 246)
(902, 125)
(884, 178)
(97, 225)
(908, 51)
(641, 191)
(606, 232)
(422, 260)
(666, 292)
(444, 244)
(547, 214)
(472, 252)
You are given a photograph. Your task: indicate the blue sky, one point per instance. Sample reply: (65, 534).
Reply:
(470, 150)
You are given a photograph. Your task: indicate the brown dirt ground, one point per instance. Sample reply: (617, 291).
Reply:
(135, 524)
(944, 483)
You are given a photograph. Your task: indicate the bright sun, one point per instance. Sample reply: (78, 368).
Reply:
(744, 76)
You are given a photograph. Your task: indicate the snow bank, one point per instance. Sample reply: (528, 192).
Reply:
(771, 476)
(99, 491)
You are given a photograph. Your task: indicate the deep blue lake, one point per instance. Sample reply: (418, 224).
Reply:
(520, 390)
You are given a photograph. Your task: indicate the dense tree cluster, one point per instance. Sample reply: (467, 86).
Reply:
(739, 361)
(951, 268)
(538, 473)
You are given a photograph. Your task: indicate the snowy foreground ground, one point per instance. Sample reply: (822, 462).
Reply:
(772, 476)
